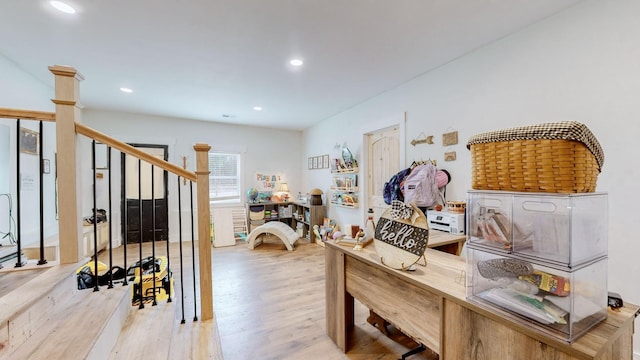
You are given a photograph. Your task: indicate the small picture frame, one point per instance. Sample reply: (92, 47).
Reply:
(315, 162)
(325, 161)
(29, 141)
(450, 138)
(46, 166)
(450, 156)
(310, 160)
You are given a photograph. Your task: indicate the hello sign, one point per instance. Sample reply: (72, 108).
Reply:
(400, 242)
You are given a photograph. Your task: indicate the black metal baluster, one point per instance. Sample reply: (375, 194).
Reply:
(169, 273)
(95, 219)
(180, 246)
(125, 236)
(193, 255)
(18, 232)
(141, 306)
(153, 230)
(42, 261)
(108, 219)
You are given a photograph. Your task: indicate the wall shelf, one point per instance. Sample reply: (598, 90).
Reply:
(345, 171)
(344, 184)
(353, 206)
(344, 188)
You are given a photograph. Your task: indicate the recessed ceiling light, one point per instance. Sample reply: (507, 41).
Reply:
(64, 7)
(296, 62)
(257, 108)
(126, 90)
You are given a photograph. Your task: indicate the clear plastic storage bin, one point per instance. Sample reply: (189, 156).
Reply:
(562, 229)
(563, 304)
(558, 229)
(489, 219)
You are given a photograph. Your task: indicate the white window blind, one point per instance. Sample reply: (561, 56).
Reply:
(224, 177)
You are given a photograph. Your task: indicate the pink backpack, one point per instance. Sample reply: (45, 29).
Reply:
(420, 186)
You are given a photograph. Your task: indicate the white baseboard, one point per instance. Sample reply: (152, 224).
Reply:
(636, 356)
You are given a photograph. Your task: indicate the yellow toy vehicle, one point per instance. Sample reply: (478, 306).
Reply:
(143, 289)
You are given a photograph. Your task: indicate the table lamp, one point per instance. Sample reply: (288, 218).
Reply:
(284, 190)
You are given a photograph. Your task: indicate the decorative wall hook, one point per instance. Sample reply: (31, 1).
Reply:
(422, 139)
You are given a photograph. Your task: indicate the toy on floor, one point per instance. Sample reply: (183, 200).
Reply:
(282, 231)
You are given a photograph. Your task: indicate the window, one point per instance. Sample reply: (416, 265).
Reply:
(225, 178)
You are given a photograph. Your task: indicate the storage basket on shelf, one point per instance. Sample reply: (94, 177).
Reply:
(561, 157)
(256, 212)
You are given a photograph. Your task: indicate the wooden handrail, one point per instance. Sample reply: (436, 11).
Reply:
(128, 149)
(27, 114)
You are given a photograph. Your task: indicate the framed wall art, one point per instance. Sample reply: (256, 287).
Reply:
(29, 141)
(450, 138)
(450, 156)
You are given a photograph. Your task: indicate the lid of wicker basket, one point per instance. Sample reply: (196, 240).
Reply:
(401, 236)
(560, 157)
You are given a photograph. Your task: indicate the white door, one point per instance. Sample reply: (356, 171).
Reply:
(383, 147)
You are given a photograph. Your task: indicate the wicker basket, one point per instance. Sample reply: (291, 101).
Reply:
(554, 158)
(256, 212)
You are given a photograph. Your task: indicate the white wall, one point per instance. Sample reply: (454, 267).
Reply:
(19, 90)
(5, 188)
(581, 65)
(265, 151)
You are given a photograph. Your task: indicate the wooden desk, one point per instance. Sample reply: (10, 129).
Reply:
(430, 306)
(438, 240)
(446, 242)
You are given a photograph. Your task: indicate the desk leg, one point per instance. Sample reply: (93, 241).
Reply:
(339, 307)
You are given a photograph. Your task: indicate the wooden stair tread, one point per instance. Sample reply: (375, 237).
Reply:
(32, 301)
(30, 291)
(62, 322)
(196, 340)
(74, 328)
(9, 280)
(146, 333)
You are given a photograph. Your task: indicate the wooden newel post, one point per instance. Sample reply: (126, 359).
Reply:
(204, 243)
(67, 88)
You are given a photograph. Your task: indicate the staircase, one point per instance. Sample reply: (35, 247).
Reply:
(46, 317)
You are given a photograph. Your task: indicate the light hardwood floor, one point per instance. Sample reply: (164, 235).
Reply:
(269, 303)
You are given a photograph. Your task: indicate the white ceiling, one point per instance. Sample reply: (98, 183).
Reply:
(202, 59)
